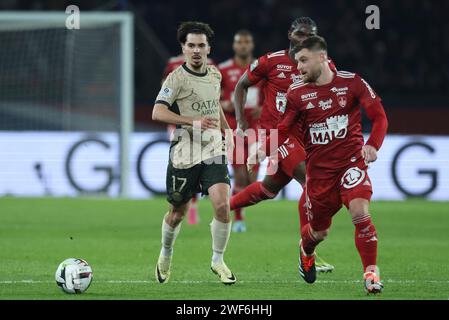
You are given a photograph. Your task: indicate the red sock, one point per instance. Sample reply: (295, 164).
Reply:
(309, 243)
(251, 195)
(302, 209)
(366, 240)
(238, 216)
(194, 198)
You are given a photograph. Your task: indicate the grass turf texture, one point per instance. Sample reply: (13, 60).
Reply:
(121, 241)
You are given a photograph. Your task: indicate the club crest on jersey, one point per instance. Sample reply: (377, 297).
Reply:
(326, 104)
(352, 177)
(342, 101)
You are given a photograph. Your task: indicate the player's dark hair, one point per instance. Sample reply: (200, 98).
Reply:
(194, 27)
(244, 33)
(305, 25)
(313, 43)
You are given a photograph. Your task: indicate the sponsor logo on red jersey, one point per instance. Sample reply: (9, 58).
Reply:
(326, 104)
(309, 96)
(340, 91)
(334, 128)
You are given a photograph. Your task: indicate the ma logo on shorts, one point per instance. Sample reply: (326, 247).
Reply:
(352, 177)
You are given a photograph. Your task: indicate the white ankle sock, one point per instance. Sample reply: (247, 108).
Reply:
(169, 235)
(220, 235)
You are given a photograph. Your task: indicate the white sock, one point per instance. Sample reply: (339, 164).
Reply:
(220, 235)
(169, 235)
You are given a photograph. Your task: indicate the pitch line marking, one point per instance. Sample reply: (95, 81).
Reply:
(28, 281)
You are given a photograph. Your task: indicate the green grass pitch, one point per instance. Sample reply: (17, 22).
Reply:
(121, 241)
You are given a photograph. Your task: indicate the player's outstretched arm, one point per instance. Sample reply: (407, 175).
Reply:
(240, 93)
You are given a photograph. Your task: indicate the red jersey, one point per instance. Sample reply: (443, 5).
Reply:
(279, 72)
(175, 62)
(231, 73)
(331, 119)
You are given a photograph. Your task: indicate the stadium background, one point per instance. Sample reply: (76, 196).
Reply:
(405, 61)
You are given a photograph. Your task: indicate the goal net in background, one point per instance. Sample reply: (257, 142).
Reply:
(57, 82)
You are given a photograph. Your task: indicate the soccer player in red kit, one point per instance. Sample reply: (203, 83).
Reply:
(328, 106)
(172, 64)
(277, 71)
(231, 71)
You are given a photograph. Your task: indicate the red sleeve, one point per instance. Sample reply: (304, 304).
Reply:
(287, 121)
(258, 70)
(372, 105)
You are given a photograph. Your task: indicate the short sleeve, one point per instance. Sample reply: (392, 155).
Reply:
(169, 90)
(258, 70)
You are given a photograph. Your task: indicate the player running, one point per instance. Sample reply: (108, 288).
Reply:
(173, 63)
(278, 71)
(231, 71)
(190, 98)
(327, 105)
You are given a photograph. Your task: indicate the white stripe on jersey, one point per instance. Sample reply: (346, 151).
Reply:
(345, 74)
(297, 85)
(283, 151)
(276, 54)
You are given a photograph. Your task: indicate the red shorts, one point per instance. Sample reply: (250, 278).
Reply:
(324, 197)
(288, 157)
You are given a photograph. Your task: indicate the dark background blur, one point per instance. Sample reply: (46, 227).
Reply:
(406, 61)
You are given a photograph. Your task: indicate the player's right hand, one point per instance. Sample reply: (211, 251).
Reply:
(369, 153)
(206, 123)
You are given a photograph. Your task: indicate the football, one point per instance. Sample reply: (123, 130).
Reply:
(74, 275)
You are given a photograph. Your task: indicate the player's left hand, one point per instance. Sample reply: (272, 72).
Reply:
(369, 153)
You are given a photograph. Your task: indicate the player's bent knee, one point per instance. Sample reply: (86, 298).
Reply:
(176, 214)
(358, 208)
(222, 209)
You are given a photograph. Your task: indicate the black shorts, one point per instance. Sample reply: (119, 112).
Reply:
(183, 184)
